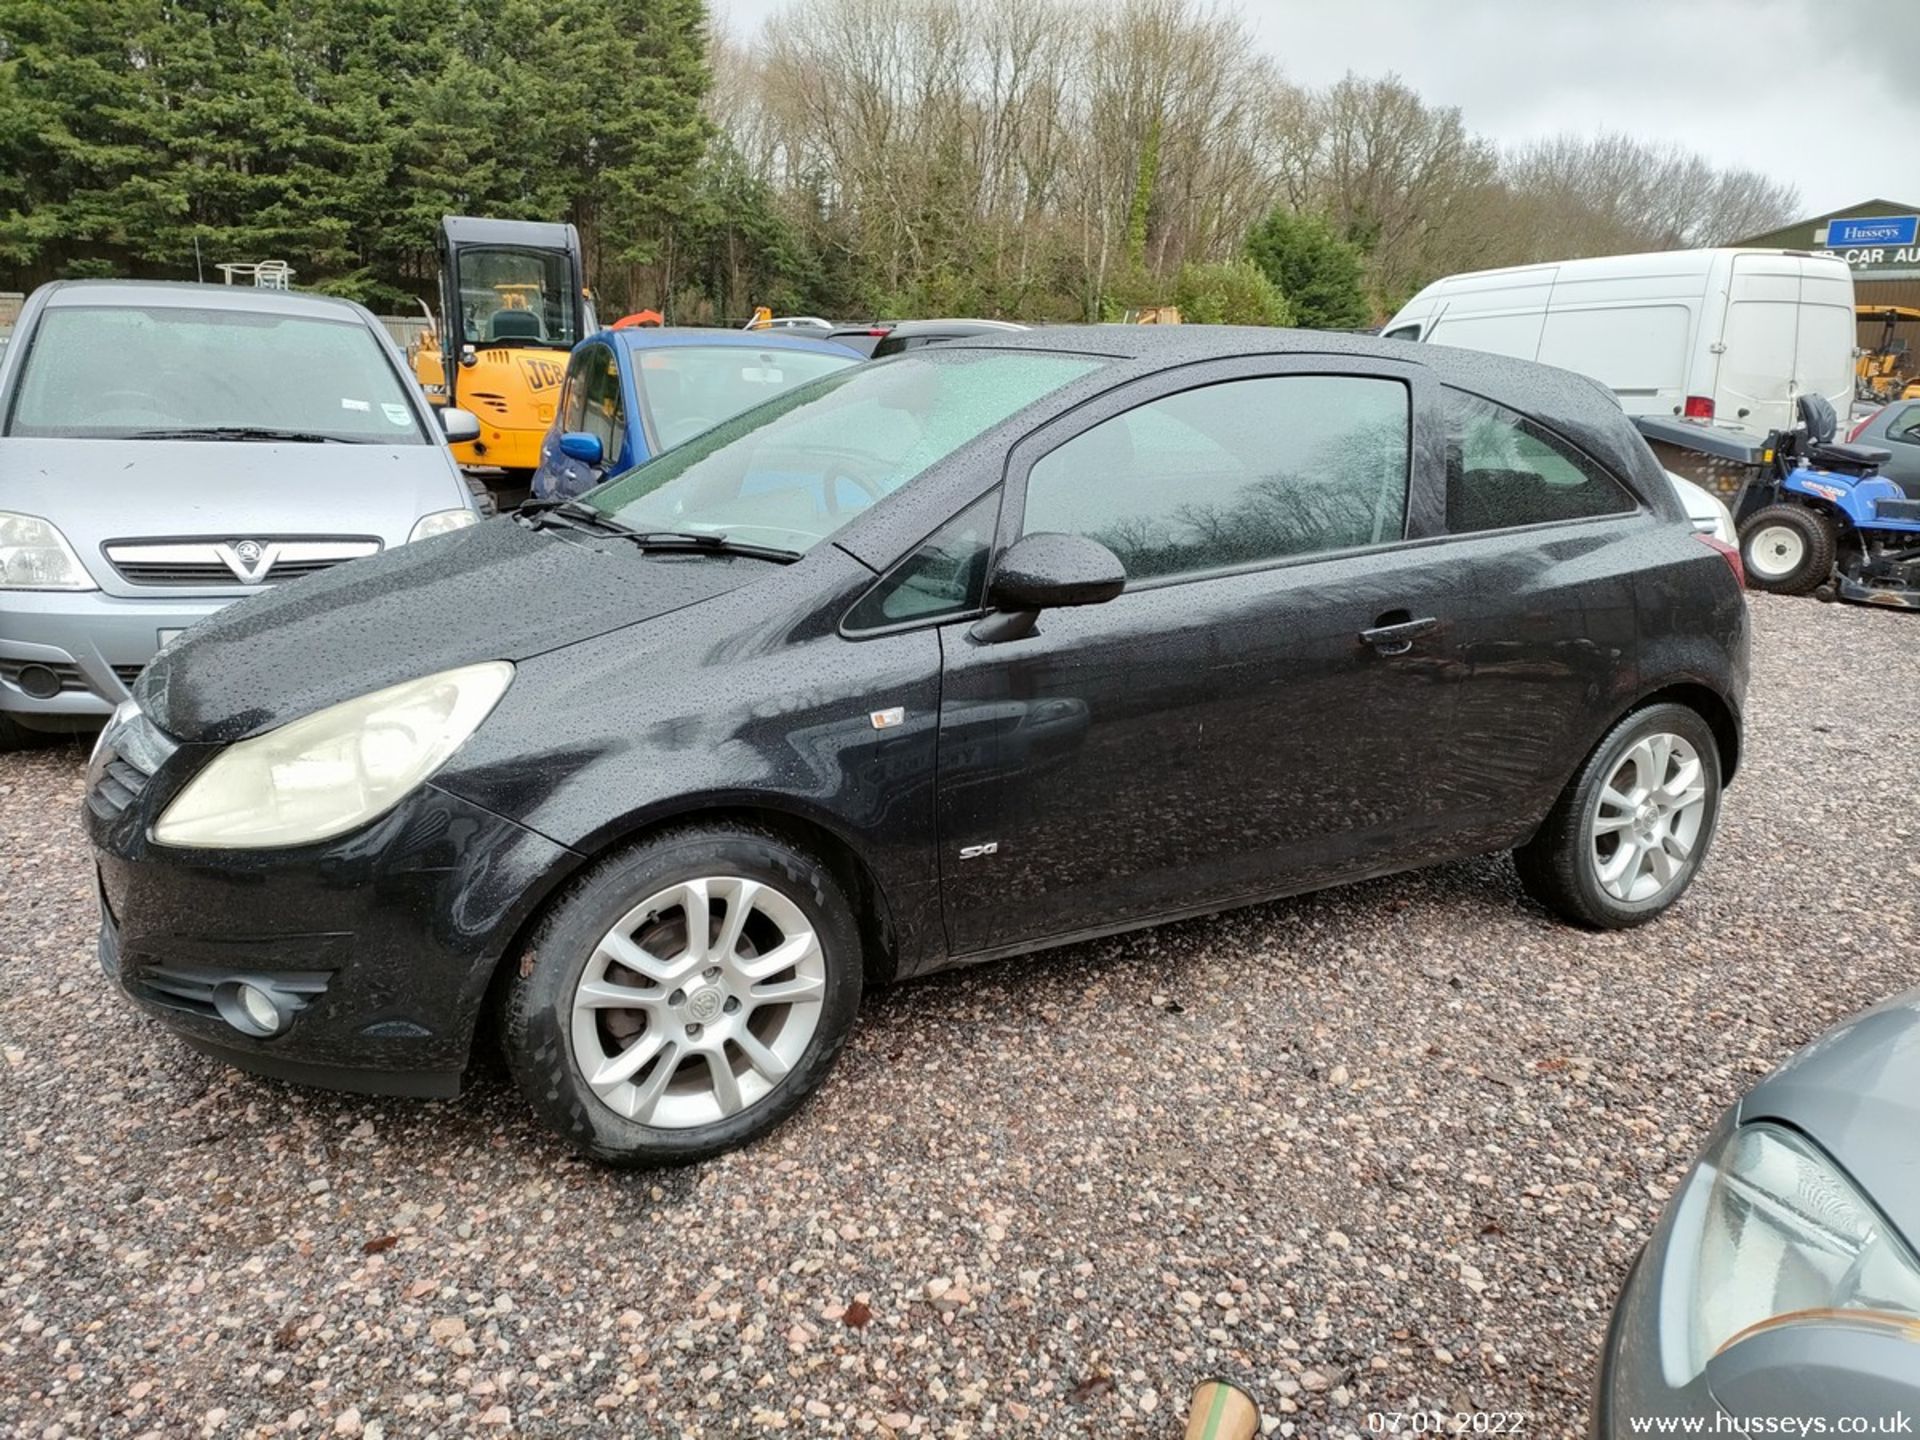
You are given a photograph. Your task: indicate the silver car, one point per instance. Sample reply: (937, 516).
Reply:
(1782, 1284)
(166, 449)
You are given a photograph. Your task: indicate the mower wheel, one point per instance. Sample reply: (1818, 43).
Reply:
(1788, 549)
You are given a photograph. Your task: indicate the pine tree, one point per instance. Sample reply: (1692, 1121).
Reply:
(1322, 276)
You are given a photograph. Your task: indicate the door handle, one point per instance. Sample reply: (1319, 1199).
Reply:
(1396, 632)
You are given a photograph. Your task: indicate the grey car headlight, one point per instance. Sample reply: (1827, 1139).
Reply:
(336, 769)
(34, 555)
(440, 522)
(1783, 1238)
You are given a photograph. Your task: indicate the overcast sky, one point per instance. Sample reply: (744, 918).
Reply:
(1820, 93)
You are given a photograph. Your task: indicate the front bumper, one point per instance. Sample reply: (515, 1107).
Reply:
(94, 643)
(386, 939)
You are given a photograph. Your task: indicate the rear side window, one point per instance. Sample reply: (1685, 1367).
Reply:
(1503, 470)
(1233, 474)
(1905, 426)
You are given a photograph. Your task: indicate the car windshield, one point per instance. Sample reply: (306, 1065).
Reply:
(686, 389)
(126, 371)
(518, 297)
(789, 473)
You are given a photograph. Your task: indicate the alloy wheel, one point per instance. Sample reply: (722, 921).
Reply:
(1646, 822)
(698, 1002)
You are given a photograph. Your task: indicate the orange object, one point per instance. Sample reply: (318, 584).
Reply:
(639, 318)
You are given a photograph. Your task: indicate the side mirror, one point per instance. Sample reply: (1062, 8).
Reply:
(461, 426)
(578, 445)
(1044, 572)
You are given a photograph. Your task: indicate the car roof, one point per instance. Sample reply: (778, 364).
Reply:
(190, 295)
(656, 337)
(954, 326)
(1580, 408)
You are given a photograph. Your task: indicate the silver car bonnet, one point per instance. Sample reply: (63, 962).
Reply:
(102, 491)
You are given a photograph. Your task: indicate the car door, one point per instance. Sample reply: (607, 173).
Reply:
(560, 473)
(1245, 718)
(1546, 549)
(1900, 437)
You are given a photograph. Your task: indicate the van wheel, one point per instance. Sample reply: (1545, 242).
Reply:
(1787, 549)
(685, 997)
(1628, 834)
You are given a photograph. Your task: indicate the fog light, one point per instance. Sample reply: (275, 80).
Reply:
(38, 681)
(260, 1009)
(249, 1009)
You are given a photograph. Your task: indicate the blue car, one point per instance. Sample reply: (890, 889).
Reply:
(630, 394)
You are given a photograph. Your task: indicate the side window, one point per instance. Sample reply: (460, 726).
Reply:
(573, 402)
(1503, 470)
(1404, 332)
(1233, 474)
(605, 411)
(945, 576)
(1905, 426)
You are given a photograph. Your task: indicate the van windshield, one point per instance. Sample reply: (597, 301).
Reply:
(117, 372)
(791, 472)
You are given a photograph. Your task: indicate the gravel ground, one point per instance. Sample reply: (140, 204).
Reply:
(1383, 1147)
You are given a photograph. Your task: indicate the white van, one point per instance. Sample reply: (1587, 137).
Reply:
(1732, 335)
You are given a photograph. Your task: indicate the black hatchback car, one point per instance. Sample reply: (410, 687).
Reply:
(989, 647)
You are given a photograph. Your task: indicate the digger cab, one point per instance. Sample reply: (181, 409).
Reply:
(513, 303)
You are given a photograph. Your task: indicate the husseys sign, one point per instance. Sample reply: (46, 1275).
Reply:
(1873, 240)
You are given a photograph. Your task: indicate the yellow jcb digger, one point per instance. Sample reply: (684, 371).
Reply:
(513, 303)
(1887, 367)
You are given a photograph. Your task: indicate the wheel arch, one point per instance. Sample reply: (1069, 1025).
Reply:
(1710, 705)
(873, 913)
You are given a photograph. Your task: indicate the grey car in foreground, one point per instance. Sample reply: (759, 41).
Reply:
(1782, 1284)
(166, 449)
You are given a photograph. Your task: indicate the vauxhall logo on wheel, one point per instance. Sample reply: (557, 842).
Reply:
(250, 560)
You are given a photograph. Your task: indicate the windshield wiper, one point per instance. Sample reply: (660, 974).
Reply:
(541, 512)
(694, 541)
(243, 432)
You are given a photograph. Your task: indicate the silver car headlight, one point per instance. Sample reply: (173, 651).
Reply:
(1784, 1238)
(334, 770)
(34, 555)
(439, 522)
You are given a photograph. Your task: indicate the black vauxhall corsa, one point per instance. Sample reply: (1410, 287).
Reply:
(980, 649)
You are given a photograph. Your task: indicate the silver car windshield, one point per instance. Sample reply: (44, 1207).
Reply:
(791, 472)
(120, 372)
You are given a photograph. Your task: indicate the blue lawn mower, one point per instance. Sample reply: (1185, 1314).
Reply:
(1815, 517)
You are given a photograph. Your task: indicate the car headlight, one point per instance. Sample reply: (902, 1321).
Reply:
(334, 770)
(34, 555)
(439, 522)
(1785, 1238)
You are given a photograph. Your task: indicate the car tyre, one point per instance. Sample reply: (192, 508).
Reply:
(1653, 781)
(1788, 549)
(15, 736)
(560, 1036)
